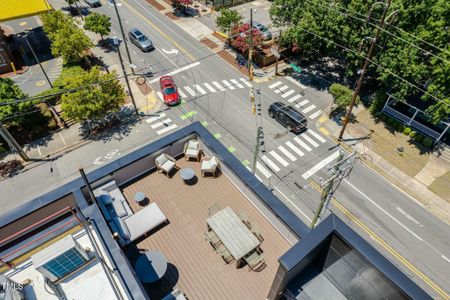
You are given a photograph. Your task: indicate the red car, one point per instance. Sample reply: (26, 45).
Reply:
(169, 90)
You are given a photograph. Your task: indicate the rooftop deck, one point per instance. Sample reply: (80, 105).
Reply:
(194, 267)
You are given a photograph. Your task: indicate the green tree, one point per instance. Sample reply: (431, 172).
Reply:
(101, 94)
(68, 41)
(9, 91)
(227, 19)
(98, 23)
(342, 96)
(241, 37)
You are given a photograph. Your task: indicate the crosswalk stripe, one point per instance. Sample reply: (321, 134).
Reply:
(218, 86)
(284, 87)
(316, 114)
(287, 94)
(263, 170)
(308, 109)
(301, 143)
(168, 128)
(190, 91)
(287, 153)
(316, 135)
(228, 85)
(209, 87)
(275, 84)
(294, 98)
(320, 165)
(270, 163)
(154, 118)
(279, 158)
(295, 149)
(304, 102)
(182, 94)
(200, 89)
(159, 124)
(310, 140)
(159, 95)
(245, 82)
(257, 177)
(237, 83)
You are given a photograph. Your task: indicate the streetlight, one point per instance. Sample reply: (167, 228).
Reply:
(52, 109)
(116, 43)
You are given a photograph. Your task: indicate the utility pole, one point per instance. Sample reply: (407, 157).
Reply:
(61, 124)
(12, 142)
(278, 50)
(117, 44)
(123, 35)
(331, 185)
(366, 64)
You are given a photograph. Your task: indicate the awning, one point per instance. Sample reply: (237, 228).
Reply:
(22, 8)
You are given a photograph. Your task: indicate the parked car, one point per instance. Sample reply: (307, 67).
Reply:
(265, 32)
(140, 40)
(288, 116)
(169, 90)
(93, 3)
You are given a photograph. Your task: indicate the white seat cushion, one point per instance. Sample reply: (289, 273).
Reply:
(193, 145)
(192, 152)
(168, 165)
(161, 160)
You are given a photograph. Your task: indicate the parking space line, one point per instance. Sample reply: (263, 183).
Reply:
(284, 87)
(275, 84)
(182, 94)
(308, 109)
(62, 139)
(310, 140)
(287, 94)
(159, 95)
(320, 165)
(159, 124)
(228, 85)
(287, 153)
(295, 149)
(210, 88)
(237, 83)
(279, 158)
(263, 170)
(316, 135)
(296, 97)
(161, 131)
(302, 144)
(218, 86)
(200, 89)
(270, 164)
(316, 114)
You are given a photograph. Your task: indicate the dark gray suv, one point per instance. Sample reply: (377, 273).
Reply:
(140, 40)
(288, 116)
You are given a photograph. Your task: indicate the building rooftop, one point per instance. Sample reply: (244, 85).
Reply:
(196, 269)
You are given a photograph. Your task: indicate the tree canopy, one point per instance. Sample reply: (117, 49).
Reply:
(240, 37)
(336, 29)
(68, 41)
(9, 91)
(101, 94)
(342, 95)
(227, 19)
(98, 23)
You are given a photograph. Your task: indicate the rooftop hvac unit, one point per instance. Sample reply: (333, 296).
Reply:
(60, 259)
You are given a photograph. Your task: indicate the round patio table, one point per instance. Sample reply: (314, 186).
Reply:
(187, 174)
(151, 266)
(139, 197)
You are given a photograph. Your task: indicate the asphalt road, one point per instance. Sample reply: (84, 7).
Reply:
(218, 95)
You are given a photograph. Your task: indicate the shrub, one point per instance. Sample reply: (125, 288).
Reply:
(427, 142)
(378, 100)
(412, 134)
(7, 168)
(399, 127)
(418, 138)
(406, 131)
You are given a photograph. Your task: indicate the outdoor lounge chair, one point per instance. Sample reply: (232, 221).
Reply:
(192, 149)
(257, 232)
(244, 218)
(213, 209)
(226, 255)
(210, 165)
(212, 238)
(165, 163)
(255, 261)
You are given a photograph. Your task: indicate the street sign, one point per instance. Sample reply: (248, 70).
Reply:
(275, 52)
(296, 68)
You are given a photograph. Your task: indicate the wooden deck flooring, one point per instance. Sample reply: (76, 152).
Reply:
(194, 267)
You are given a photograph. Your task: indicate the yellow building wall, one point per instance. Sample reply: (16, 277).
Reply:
(15, 9)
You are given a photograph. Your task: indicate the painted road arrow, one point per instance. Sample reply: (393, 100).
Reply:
(171, 51)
